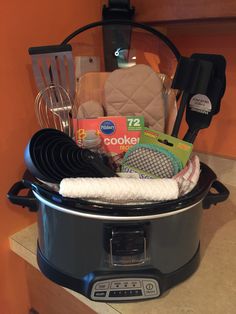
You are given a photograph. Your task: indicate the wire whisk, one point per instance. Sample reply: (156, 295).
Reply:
(53, 108)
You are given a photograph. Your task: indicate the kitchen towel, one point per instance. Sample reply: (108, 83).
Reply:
(125, 189)
(188, 177)
(120, 189)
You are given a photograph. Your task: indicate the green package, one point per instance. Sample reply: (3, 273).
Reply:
(179, 148)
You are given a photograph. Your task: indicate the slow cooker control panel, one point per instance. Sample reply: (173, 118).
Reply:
(125, 289)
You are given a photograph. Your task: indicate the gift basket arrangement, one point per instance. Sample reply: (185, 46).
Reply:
(119, 195)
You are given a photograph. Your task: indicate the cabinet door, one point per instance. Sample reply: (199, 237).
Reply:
(175, 10)
(49, 298)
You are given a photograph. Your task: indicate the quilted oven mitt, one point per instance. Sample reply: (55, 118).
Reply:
(136, 91)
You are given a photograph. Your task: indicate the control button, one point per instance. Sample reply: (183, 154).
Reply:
(127, 284)
(138, 292)
(102, 286)
(125, 293)
(134, 284)
(100, 294)
(149, 286)
(114, 294)
(116, 285)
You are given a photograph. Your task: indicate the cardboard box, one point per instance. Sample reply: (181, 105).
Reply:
(117, 133)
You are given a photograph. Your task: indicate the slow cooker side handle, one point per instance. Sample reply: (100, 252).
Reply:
(214, 198)
(25, 201)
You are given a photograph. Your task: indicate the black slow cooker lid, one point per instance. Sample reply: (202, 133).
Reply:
(207, 177)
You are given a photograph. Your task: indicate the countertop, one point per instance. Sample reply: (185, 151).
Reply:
(211, 289)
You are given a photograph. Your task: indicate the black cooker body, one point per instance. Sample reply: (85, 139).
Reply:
(115, 253)
(88, 255)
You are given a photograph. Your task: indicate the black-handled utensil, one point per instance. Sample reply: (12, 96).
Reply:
(94, 161)
(51, 156)
(192, 76)
(201, 107)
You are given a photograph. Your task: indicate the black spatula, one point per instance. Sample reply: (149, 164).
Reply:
(192, 76)
(202, 106)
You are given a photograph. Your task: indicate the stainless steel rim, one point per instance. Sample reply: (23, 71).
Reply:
(114, 218)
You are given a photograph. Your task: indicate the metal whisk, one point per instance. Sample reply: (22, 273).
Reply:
(53, 108)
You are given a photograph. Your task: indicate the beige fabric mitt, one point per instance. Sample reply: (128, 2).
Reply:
(136, 91)
(90, 109)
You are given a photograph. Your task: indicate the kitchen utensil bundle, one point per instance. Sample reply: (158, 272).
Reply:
(53, 108)
(51, 155)
(53, 69)
(124, 90)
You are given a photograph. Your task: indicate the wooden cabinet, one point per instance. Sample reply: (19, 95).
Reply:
(48, 298)
(180, 10)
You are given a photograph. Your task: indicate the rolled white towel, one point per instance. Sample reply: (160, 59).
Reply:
(120, 189)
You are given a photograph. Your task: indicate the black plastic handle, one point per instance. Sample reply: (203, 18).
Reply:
(94, 160)
(49, 49)
(191, 135)
(24, 201)
(214, 198)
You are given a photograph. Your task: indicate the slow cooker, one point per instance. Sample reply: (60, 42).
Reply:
(111, 252)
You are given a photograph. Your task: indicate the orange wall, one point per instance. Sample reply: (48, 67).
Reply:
(218, 38)
(23, 24)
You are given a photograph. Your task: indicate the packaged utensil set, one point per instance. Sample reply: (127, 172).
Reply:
(128, 140)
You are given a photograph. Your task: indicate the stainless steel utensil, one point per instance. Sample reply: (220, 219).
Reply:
(53, 65)
(53, 108)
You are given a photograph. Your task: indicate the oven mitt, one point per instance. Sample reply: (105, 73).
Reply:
(90, 86)
(90, 109)
(136, 91)
(90, 95)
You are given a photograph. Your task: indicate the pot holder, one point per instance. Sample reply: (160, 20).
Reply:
(90, 109)
(136, 91)
(150, 161)
(90, 86)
